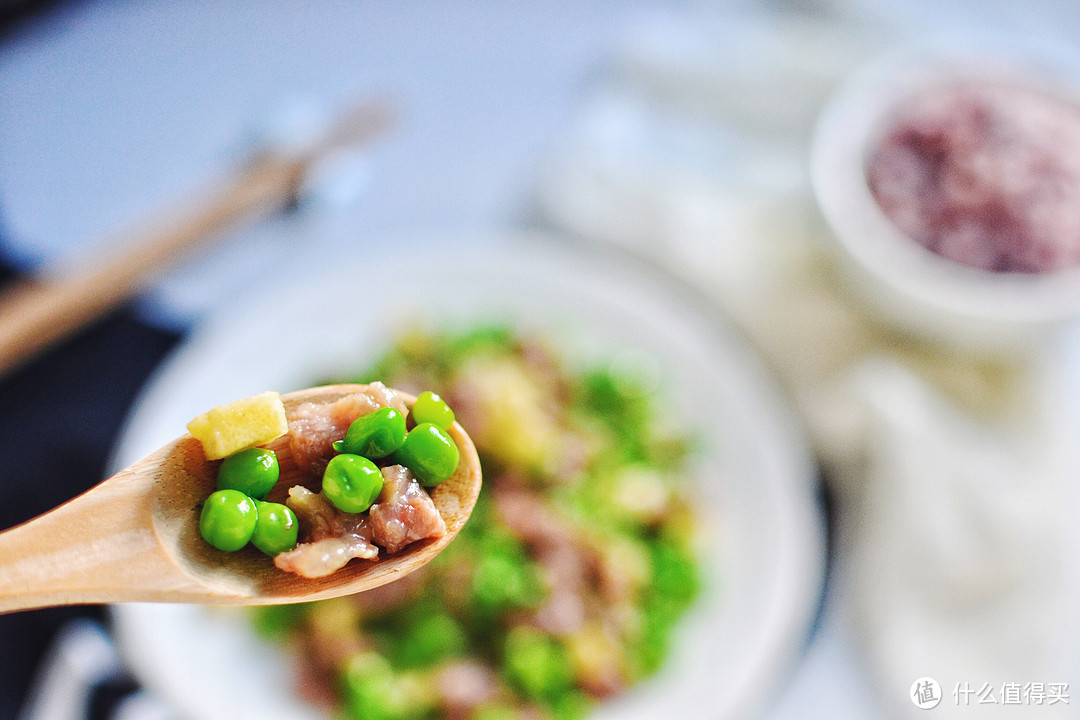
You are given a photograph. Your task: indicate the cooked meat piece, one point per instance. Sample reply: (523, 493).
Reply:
(529, 517)
(321, 519)
(568, 562)
(322, 557)
(404, 513)
(328, 640)
(314, 427)
(562, 613)
(465, 685)
(331, 538)
(386, 397)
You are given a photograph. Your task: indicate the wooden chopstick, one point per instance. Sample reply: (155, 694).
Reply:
(34, 315)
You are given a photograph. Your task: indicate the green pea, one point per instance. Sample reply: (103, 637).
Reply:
(276, 529)
(367, 681)
(374, 435)
(277, 622)
(429, 639)
(430, 453)
(430, 408)
(228, 519)
(675, 576)
(502, 581)
(253, 472)
(535, 663)
(352, 483)
(570, 705)
(373, 690)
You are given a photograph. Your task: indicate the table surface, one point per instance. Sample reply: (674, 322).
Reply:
(111, 110)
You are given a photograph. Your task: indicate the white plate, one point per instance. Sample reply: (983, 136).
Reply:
(763, 580)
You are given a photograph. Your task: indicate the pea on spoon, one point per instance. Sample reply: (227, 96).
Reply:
(135, 536)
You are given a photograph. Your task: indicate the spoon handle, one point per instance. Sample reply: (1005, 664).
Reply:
(99, 547)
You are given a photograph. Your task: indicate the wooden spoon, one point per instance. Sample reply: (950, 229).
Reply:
(135, 536)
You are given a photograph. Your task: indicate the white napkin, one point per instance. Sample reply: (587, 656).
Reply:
(961, 562)
(954, 471)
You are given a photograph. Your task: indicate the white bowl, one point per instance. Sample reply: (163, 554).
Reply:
(899, 279)
(757, 485)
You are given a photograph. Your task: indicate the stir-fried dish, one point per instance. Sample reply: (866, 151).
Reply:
(567, 582)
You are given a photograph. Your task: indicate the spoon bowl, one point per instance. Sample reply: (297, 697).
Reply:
(135, 536)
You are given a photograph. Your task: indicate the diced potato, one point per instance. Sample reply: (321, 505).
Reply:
(234, 426)
(517, 429)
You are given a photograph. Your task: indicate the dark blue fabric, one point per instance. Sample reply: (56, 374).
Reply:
(59, 419)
